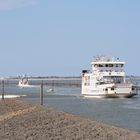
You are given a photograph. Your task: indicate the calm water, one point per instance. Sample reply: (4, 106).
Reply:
(119, 112)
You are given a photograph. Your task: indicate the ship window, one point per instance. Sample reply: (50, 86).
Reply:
(118, 65)
(121, 65)
(106, 65)
(100, 65)
(87, 81)
(110, 65)
(106, 89)
(95, 65)
(112, 88)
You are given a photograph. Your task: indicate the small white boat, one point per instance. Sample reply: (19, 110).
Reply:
(50, 90)
(107, 79)
(23, 82)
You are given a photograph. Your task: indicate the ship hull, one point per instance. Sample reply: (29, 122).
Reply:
(118, 95)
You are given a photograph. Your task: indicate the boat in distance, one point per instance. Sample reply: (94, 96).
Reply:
(107, 79)
(23, 82)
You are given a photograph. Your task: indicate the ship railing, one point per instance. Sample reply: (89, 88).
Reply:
(124, 85)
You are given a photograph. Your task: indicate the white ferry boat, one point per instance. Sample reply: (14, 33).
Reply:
(107, 79)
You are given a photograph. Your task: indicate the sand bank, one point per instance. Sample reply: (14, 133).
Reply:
(23, 121)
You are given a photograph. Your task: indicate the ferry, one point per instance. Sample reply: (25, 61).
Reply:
(107, 79)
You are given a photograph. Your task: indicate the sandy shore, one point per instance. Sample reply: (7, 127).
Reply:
(23, 121)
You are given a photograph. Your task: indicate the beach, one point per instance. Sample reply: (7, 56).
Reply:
(20, 120)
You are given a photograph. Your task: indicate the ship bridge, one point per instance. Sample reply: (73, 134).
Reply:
(115, 66)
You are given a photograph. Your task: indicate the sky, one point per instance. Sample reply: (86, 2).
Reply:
(61, 37)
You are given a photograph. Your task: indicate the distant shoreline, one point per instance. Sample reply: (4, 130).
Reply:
(137, 78)
(60, 81)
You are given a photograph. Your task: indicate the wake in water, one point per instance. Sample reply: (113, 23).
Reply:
(28, 86)
(13, 96)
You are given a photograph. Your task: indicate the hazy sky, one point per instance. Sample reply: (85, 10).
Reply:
(60, 37)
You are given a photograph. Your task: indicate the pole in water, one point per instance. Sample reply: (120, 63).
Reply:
(41, 93)
(2, 89)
